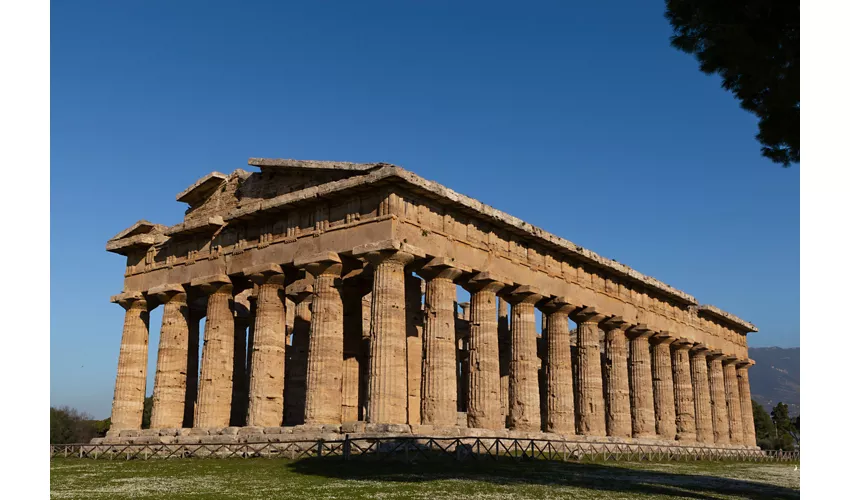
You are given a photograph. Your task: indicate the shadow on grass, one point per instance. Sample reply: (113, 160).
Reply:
(592, 476)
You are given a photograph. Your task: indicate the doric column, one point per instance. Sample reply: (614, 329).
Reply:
(504, 357)
(241, 322)
(748, 425)
(484, 392)
(215, 390)
(733, 401)
(560, 415)
(268, 357)
(702, 394)
(355, 285)
(301, 294)
(169, 387)
(640, 376)
(719, 414)
(129, 400)
(192, 364)
(387, 393)
(683, 391)
(323, 402)
(524, 411)
(662, 386)
(439, 372)
(413, 289)
(618, 417)
(590, 405)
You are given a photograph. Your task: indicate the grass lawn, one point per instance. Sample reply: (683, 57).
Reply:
(330, 478)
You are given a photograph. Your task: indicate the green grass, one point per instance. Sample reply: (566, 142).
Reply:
(330, 478)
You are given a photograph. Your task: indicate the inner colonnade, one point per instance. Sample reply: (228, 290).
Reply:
(330, 295)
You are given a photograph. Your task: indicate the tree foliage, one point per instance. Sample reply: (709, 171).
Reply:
(754, 45)
(67, 425)
(765, 431)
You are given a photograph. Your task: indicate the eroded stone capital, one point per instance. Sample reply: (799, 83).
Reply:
(442, 268)
(127, 299)
(587, 315)
(639, 331)
(321, 264)
(300, 289)
(524, 294)
(381, 250)
(613, 323)
(484, 281)
(661, 338)
(699, 349)
(682, 343)
(744, 364)
(168, 293)
(558, 305)
(217, 283)
(265, 273)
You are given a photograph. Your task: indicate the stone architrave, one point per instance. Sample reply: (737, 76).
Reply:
(662, 386)
(683, 391)
(733, 401)
(215, 389)
(439, 373)
(748, 425)
(702, 394)
(618, 418)
(484, 390)
(719, 413)
(560, 400)
(323, 403)
(524, 411)
(640, 377)
(590, 403)
(129, 400)
(268, 357)
(169, 388)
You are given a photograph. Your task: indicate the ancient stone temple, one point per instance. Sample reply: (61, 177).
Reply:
(322, 297)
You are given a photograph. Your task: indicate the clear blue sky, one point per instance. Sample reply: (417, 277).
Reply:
(579, 119)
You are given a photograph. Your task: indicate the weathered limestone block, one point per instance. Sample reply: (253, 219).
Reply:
(640, 375)
(683, 391)
(323, 403)
(618, 418)
(590, 405)
(484, 391)
(560, 401)
(719, 413)
(439, 373)
(295, 381)
(414, 327)
(215, 390)
(129, 400)
(169, 388)
(662, 386)
(733, 401)
(702, 394)
(748, 425)
(268, 358)
(504, 356)
(524, 411)
(387, 393)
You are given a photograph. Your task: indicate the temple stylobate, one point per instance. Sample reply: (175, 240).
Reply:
(314, 296)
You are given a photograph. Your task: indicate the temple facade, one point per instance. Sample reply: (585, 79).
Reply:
(328, 295)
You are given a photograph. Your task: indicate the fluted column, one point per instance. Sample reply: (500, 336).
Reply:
(640, 378)
(524, 411)
(128, 402)
(354, 285)
(387, 392)
(504, 357)
(733, 401)
(413, 289)
(169, 388)
(719, 414)
(702, 394)
(683, 391)
(590, 405)
(618, 417)
(295, 380)
(439, 373)
(215, 390)
(560, 415)
(484, 392)
(748, 425)
(268, 357)
(323, 402)
(662, 386)
(192, 365)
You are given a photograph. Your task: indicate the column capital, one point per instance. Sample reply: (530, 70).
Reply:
(683, 343)
(661, 338)
(300, 289)
(166, 293)
(587, 315)
(265, 273)
(730, 360)
(388, 250)
(321, 264)
(699, 349)
(485, 281)
(744, 364)
(524, 294)
(442, 268)
(613, 323)
(638, 331)
(213, 284)
(557, 305)
(127, 299)
(715, 354)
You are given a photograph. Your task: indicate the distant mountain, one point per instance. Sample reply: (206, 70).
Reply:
(776, 377)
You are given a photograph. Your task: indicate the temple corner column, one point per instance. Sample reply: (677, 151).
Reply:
(748, 425)
(129, 398)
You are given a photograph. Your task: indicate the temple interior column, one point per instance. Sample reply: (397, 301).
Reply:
(662, 386)
(683, 391)
(590, 405)
(439, 372)
(733, 401)
(128, 402)
(215, 390)
(241, 380)
(504, 357)
(354, 285)
(719, 415)
(702, 394)
(413, 289)
(323, 402)
(560, 415)
(484, 391)
(268, 359)
(295, 380)
(618, 416)
(192, 365)
(748, 425)
(640, 380)
(524, 411)
(169, 389)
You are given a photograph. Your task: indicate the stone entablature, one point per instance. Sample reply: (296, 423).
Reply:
(294, 209)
